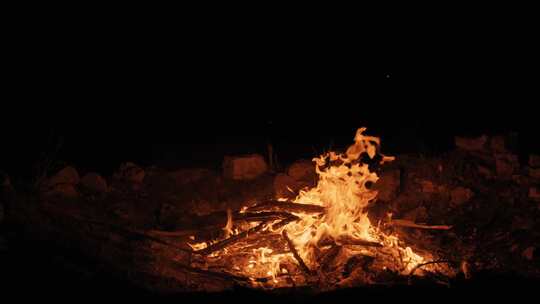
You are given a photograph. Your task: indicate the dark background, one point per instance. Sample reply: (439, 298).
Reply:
(186, 97)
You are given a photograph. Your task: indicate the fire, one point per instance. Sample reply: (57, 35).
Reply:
(343, 190)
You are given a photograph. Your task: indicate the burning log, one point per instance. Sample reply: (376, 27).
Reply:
(298, 258)
(411, 224)
(235, 238)
(287, 207)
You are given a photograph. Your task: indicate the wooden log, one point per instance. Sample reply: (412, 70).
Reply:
(411, 224)
(286, 206)
(298, 258)
(235, 238)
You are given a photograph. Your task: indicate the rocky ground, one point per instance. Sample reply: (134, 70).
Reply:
(487, 194)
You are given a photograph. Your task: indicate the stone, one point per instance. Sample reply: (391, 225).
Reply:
(187, 176)
(534, 161)
(534, 194)
(506, 165)
(130, 172)
(388, 185)
(285, 186)
(485, 172)
(471, 144)
(302, 170)
(498, 144)
(62, 190)
(68, 175)
(94, 182)
(427, 186)
(460, 195)
(528, 253)
(62, 184)
(245, 167)
(534, 172)
(417, 215)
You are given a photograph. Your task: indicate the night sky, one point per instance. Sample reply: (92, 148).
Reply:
(190, 100)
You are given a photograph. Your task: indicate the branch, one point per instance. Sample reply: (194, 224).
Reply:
(303, 265)
(411, 224)
(287, 207)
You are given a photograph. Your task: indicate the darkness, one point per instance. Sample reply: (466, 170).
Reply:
(110, 97)
(185, 94)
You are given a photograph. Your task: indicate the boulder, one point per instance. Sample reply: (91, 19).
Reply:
(187, 176)
(130, 172)
(245, 167)
(534, 194)
(62, 184)
(534, 172)
(471, 144)
(388, 185)
(534, 161)
(68, 175)
(506, 165)
(460, 195)
(302, 170)
(94, 182)
(498, 144)
(528, 253)
(285, 186)
(427, 186)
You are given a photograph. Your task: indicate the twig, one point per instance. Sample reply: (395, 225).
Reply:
(303, 265)
(428, 263)
(411, 224)
(287, 207)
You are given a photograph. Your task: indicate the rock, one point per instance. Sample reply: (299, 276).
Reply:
(388, 185)
(528, 253)
(427, 186)
(62, 184)
(506, 165)
(302, 170)
(94, 182)
(130, 172)
(534, 172)
(471, 144)
(417, 215)
(68, 175)
(460, 195)
(485, 172)
(187, 176)
(534, 161)
(285, 186)
(498, 144)
(246, 167)
(534, 194)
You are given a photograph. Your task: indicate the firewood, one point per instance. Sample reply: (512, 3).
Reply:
(298, 258)
(411, 224)
(285, 206)
(352, 241)
(235, 238)
(329, 256)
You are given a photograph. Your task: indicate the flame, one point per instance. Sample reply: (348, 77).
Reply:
(343, 190)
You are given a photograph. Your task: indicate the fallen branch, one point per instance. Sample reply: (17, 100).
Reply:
(287, 207)
(298, 258)
(231, 240)
(411, 224)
